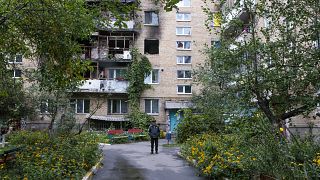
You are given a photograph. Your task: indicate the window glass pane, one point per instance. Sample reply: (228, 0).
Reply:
(147, 105)
(179, 59)
(179, 16)
(180, 74)
(109, 105)
(124, 106)
(155, 74)
(44, 107)
(19, 58)
(111, 73)
(116, 106)
(187, 45)
(187, 31)
(187, 74)
(187, 3)
(155, 19)
(147, 80)
(79, 105)
(86, 106)
(155, 106)
(179, 31)
(187, 16)
(17, 73)
(187, 89)
(179, 44)
(187, 59)
(147, 18)
(73, 105)
(180, 89)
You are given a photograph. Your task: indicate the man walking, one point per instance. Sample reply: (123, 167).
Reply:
(154, 133)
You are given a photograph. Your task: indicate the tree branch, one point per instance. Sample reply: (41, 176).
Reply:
(294, 112)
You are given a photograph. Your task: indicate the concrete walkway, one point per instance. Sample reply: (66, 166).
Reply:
(134, 161)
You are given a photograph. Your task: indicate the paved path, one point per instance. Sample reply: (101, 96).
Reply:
(134, 161)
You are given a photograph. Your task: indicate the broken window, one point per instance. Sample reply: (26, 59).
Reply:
(151, 46)
(151, 18)
(153, 77)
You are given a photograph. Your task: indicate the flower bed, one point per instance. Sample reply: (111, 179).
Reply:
(44, 157)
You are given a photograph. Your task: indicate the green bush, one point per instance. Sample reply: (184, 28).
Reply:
(57, 157)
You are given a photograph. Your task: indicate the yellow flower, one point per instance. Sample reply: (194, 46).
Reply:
(281, 129)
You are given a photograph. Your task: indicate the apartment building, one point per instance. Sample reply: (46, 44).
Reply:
(172, 41)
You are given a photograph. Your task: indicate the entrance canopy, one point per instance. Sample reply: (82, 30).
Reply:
(178, 104)
(110, 118)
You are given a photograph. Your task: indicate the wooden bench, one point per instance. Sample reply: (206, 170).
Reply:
(116, 134)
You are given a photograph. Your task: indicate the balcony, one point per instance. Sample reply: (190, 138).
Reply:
(104, 86)
(236, 9)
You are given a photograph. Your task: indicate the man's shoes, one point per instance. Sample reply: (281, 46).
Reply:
(151, 152)
(156, 152)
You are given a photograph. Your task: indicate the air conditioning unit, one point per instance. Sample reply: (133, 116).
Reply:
(126, 55)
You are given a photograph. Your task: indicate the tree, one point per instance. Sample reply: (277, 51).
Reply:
(272, 68)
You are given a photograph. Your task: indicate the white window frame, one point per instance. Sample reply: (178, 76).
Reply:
(152, 23)
(115, 73)
(184, 30)
(149, 80)
(76, 105)
(184, 15)
(151, 108)
(183, 45)
(184, 3)
(183, 59)
(47, 106)
(112, 104)
(14, 58)
(14, 74)
(184, 88)
(184, 74)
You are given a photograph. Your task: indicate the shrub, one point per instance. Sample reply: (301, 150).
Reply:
(58, 157)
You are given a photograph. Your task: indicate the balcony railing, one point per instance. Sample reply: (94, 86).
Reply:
(104, 86)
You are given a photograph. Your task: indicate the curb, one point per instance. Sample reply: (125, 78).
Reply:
(93, 170)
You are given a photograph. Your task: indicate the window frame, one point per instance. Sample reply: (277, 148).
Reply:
(74, 102)
(183, 31)
(182, 3)
(158, 44)
(14, 73)
(151, 106)
(184, 74)
(111, 103)
(115, 74)
(184, 88)
(15, 59)
(184, 45)
(183, 59)
(183, 15)
(152, 24)
(150, 76)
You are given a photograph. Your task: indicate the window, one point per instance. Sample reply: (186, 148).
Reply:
(117, 106)
(183, 16)
(184, 74)
(184, 45)
(151, 18)
(80, 105)
(153, 77)
(184, 3)
(183, 59)
(151, 106)
(184, 89)
(151, 46)
(15, 59)
(46, 107)
(16, 73)
(118, 74)
(183, 31)
(216, 44)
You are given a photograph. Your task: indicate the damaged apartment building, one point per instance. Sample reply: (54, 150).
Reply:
(172, 41)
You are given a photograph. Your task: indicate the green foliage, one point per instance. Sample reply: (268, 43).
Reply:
(45, 157)
(251, 150)
(276, 66)
(193, 124)
(138, 70)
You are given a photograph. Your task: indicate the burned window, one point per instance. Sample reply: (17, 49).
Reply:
(151, 46)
